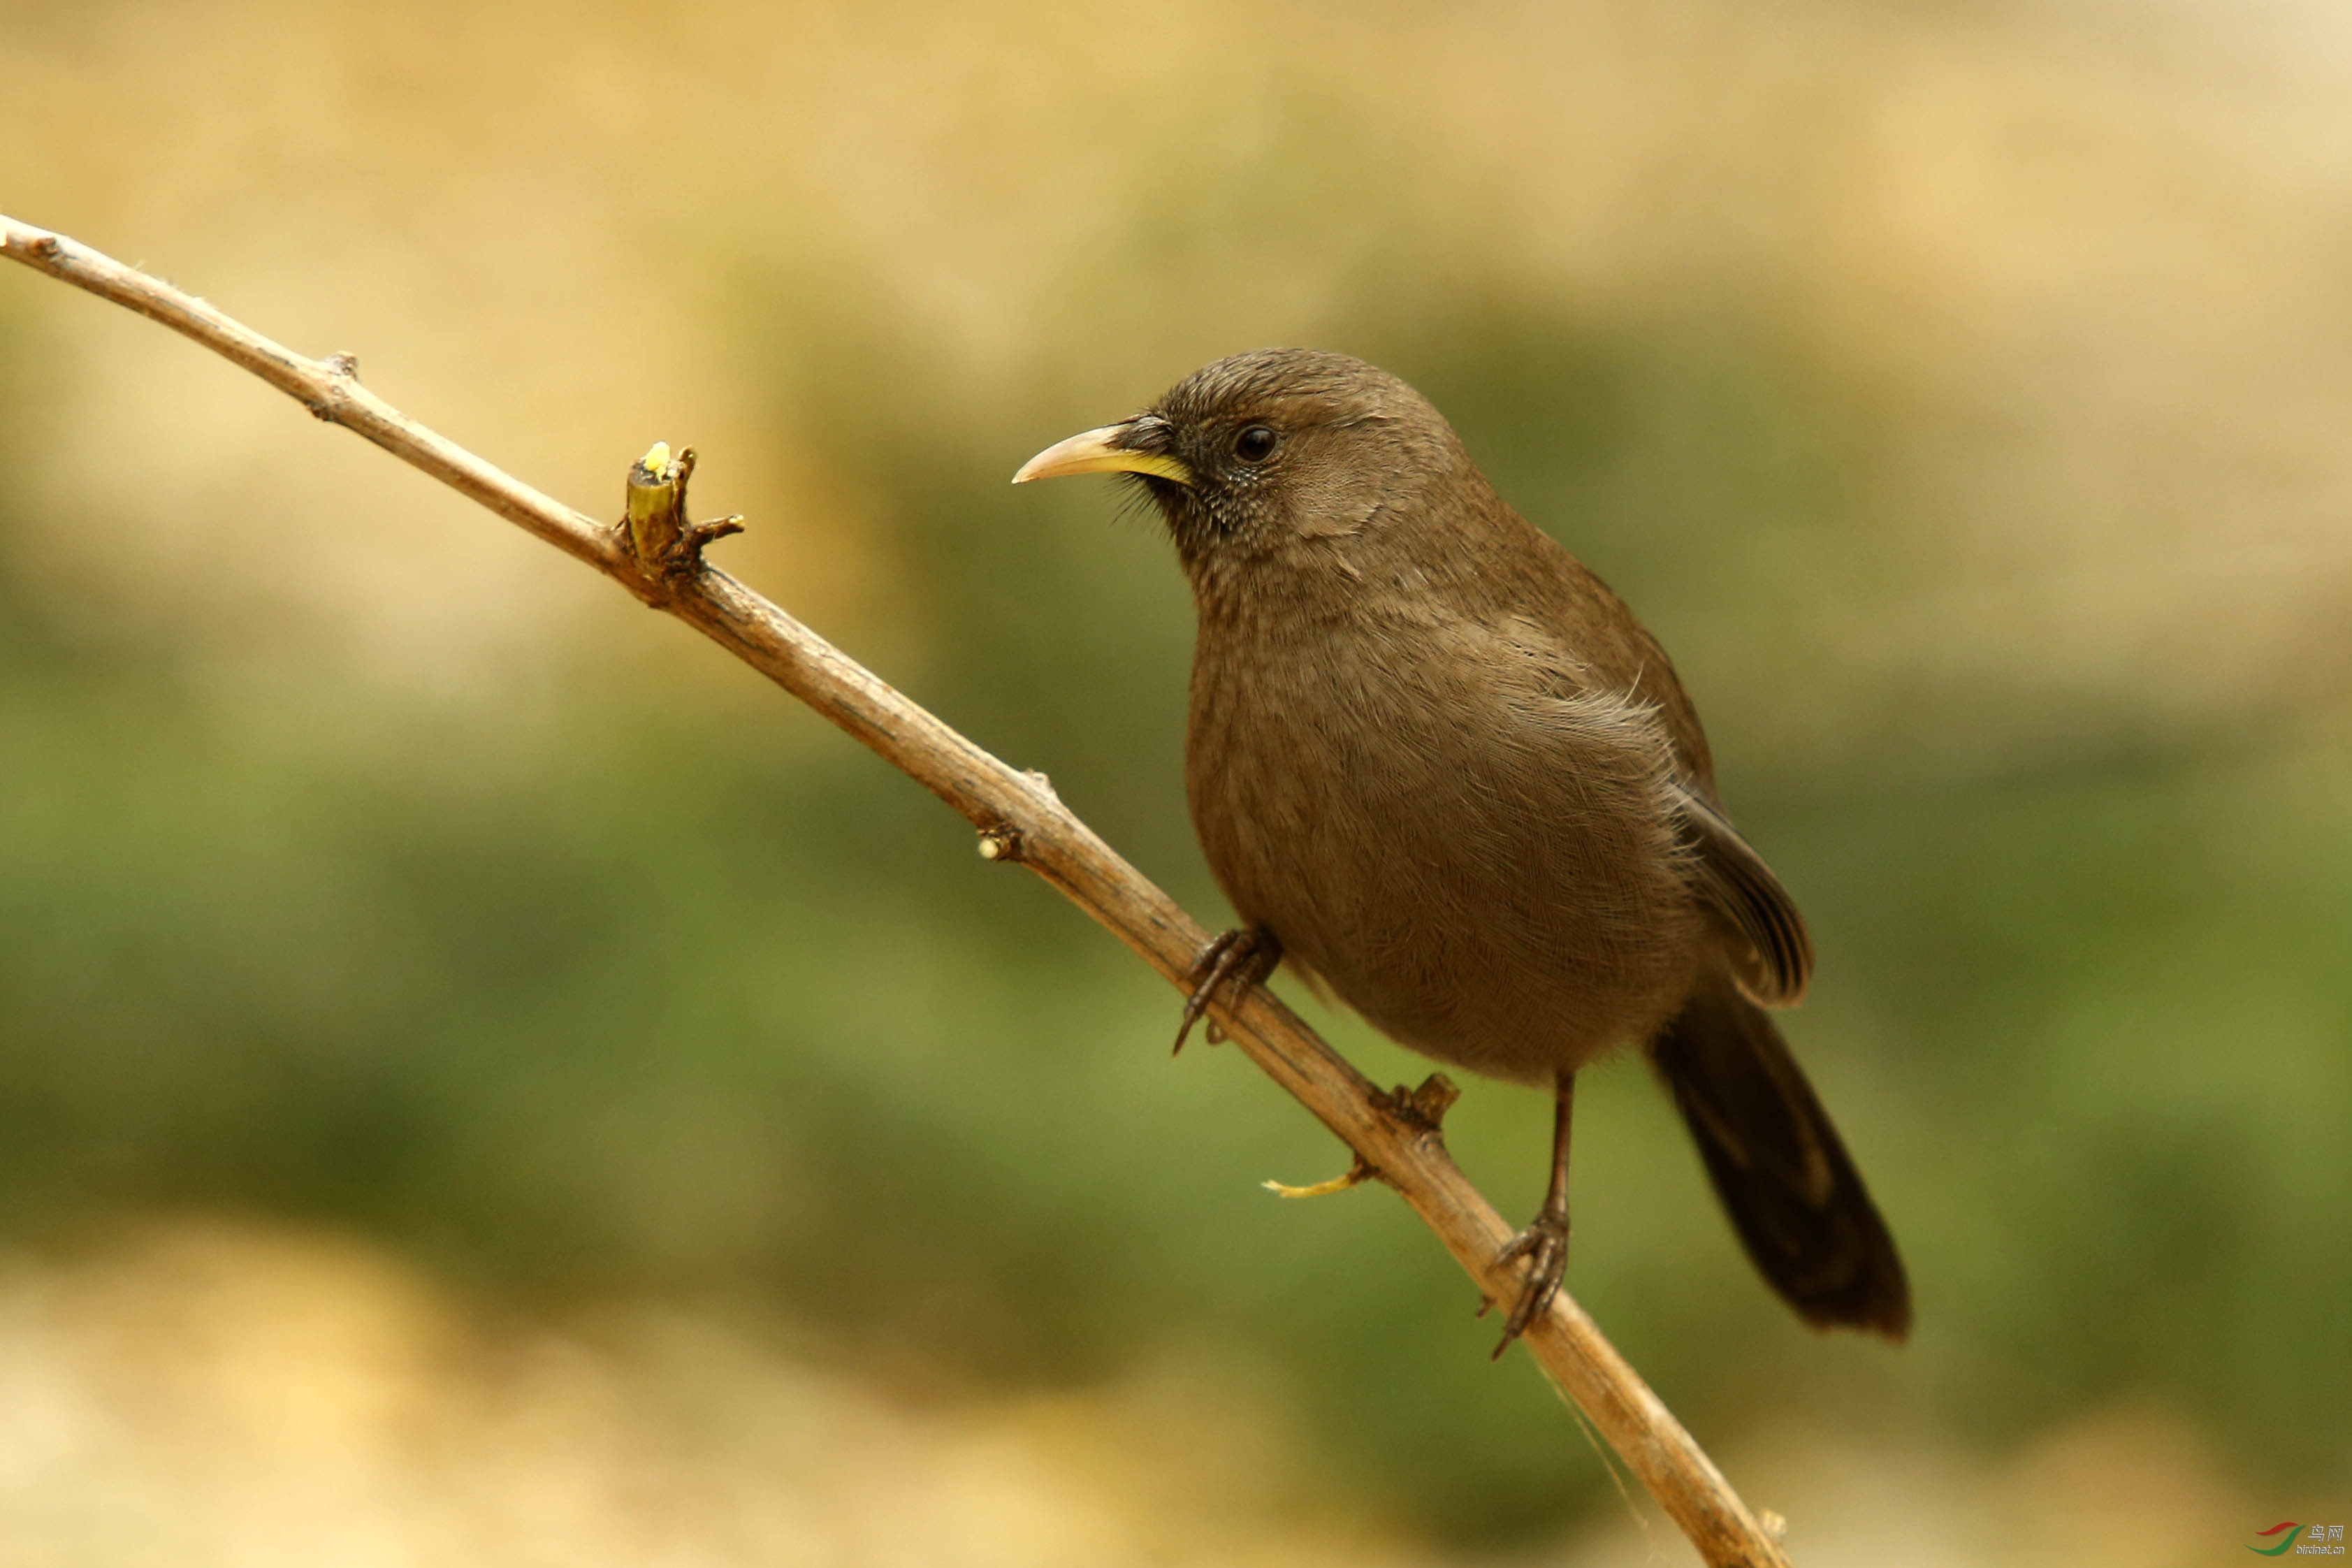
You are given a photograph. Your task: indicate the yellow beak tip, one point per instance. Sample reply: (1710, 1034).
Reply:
(1096, 452)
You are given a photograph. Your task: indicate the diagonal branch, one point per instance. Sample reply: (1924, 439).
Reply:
(655, 554)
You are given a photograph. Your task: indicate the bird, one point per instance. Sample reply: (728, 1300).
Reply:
(1442, 773)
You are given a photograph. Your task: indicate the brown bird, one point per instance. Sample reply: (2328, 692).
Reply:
(1441, 770)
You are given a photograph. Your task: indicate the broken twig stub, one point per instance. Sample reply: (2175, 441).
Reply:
(667, 548)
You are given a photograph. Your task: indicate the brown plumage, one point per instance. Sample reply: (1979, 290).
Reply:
(1440, 769)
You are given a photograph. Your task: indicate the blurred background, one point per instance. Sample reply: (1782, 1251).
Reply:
(483, 1077)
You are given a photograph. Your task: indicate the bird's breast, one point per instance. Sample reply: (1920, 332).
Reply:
(1483, 878)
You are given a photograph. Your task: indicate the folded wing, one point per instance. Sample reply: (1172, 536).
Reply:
(1779, 961)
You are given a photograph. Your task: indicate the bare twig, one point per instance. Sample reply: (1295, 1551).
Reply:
(656, 554)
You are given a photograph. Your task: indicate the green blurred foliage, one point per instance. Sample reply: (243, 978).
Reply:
(645, 994)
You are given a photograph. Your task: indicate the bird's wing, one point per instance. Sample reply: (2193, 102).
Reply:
(1648, 721)
(1779, 964)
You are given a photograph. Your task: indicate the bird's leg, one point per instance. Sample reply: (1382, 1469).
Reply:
(1544, 1244)
(1245, 956)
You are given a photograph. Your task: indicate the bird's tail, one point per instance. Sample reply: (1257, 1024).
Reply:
(1779, 1166)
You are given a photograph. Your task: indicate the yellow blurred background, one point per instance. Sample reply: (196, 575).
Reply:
(483, 1078)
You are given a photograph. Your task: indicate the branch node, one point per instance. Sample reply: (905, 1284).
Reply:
(667, 548)
(1001, 843)
(45, 246)
(344, 364)
(1422, 1110)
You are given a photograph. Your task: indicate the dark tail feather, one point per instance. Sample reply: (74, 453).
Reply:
(1793, 1196)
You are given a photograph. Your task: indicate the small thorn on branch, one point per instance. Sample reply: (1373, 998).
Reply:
(1422, 1110)
(666, 546)
(1357, 1172)
(702, 533)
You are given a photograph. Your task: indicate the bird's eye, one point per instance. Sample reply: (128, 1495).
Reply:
(1254, 445)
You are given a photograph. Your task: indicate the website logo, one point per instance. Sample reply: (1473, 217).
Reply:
(2311, 1540)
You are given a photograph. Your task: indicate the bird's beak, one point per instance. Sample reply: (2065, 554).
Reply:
(1098, 452)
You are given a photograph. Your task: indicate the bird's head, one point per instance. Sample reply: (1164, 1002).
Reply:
(1255, 456)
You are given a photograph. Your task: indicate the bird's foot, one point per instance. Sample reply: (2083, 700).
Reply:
(1242, 958)
(1544, 1244)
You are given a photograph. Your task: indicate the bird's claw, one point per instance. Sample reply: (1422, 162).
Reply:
(1245, 956)
(1544, 1244)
